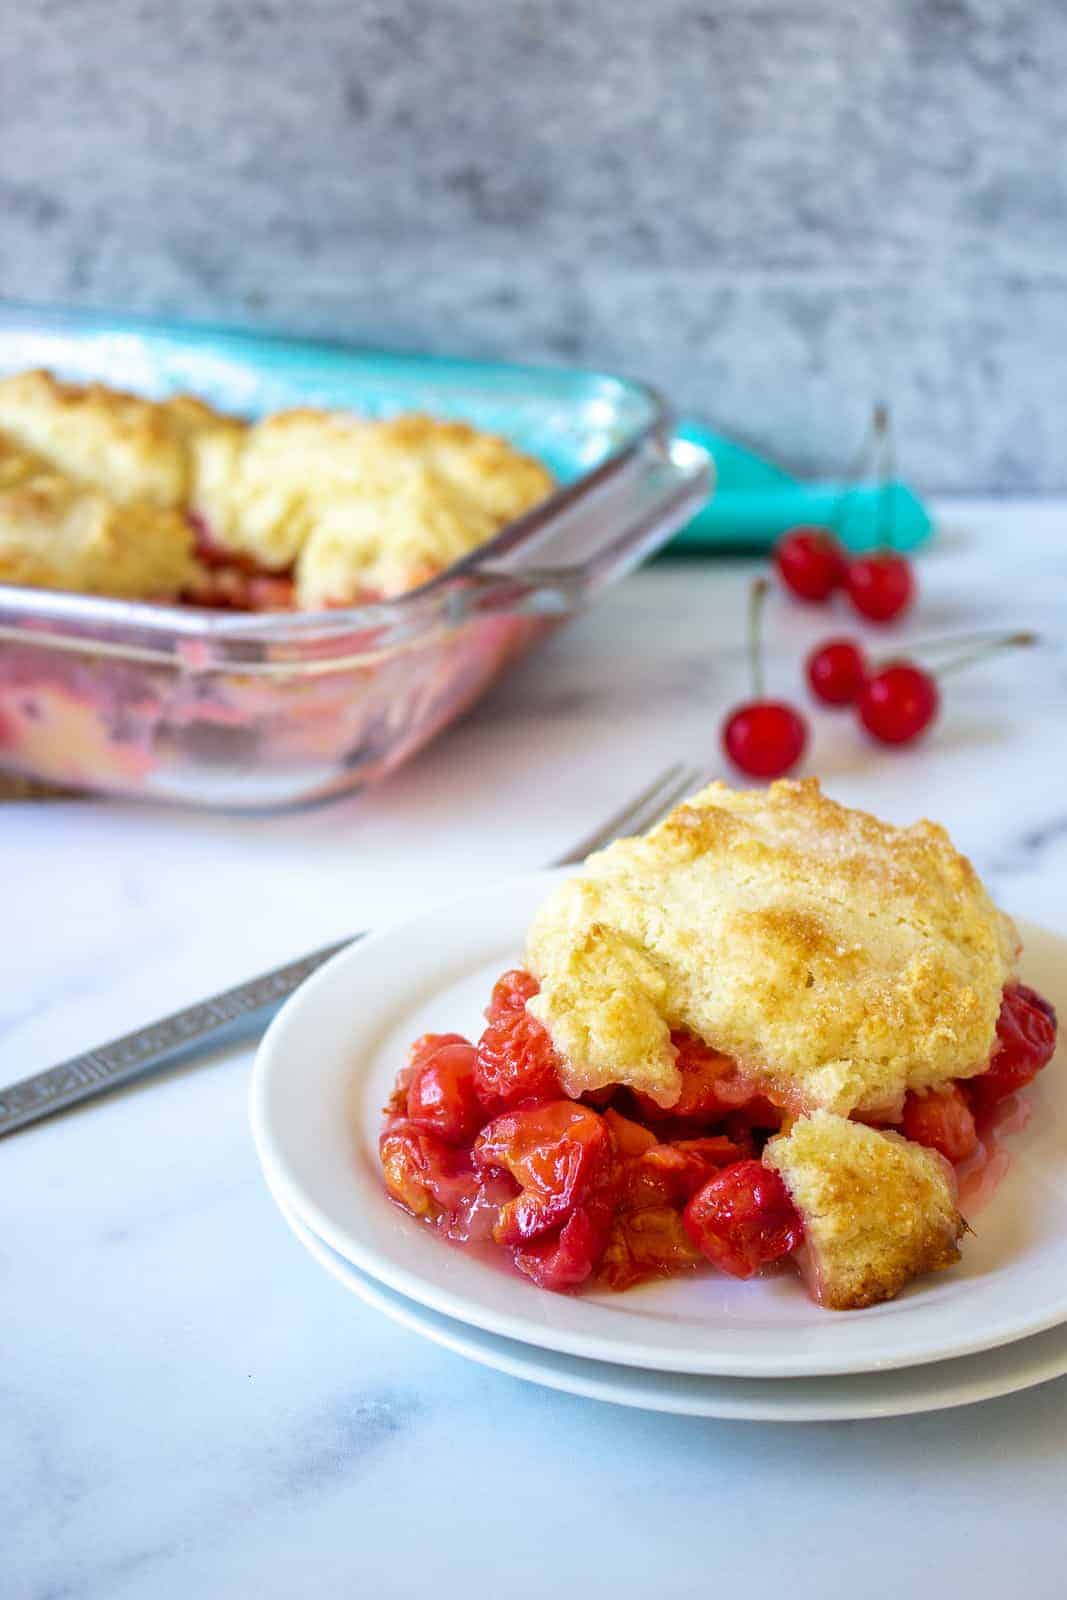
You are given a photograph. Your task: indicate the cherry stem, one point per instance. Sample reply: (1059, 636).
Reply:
(980, 640)
(757, 595)
(876, 452)
(1009, 641)
(882, 431)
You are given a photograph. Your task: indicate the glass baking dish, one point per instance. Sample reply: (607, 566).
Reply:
(261, 710)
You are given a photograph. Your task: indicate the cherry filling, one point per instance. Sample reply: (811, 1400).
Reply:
(942, 1120)
(482, 1143)
(561, 1154)
(959, 1117)
(743, 1219)
(516, 1063)
(441, 1096)
(232, 582)
(1026, 1039)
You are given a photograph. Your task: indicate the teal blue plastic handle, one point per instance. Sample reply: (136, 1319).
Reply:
(755, 501)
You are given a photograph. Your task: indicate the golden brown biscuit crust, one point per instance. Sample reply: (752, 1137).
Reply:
(58, 534)
(361, 506)
(388, 538)
(136, 450)
(365, 508)
(877, 1209)
(838, 959)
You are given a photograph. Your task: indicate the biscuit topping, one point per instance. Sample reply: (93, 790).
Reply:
(344, 507)
(839, 960)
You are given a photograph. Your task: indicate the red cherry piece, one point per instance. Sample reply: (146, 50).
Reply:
(836, 672)
(647, 1243)
(810, 562)
(440, 1184)
(765, 738)
(668, 1174)
(631, 1138)
(881, 586)
(406, 1156)
(942, 1120)
(516, 1063)
(510, 993)
(1026, 1041)
(441, 1096)
(702, 1071)
(897, 704)
(712, 1087)
(565, 1259)
(427, 1176)
(427, 1045)
(561, 1154)
(421, 1051)
(743, 1219)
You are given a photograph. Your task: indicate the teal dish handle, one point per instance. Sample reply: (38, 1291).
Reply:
(755, 502)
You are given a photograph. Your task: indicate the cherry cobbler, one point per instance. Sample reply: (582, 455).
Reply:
(107, 493)
(773, 1030)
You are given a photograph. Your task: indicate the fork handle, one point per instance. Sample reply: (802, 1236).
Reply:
(127, 1057)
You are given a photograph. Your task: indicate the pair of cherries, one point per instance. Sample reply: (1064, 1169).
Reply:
(896, 702)
(812, 565)
(899, 702)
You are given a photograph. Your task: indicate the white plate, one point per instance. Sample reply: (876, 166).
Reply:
(324, 1071)
(934, 1387)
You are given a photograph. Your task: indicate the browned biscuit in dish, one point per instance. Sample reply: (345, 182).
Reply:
(59, 534)
(135, 450)
(393, 535)
(352, 501)
(365, 508)
(486, 469)
(259, 494)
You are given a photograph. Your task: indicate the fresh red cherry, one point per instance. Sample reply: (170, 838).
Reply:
(810, 562)
(882, 586)
(765, 738)
(836, 671)
(898, 703)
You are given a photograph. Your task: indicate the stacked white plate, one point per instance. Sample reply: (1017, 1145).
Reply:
(706, 1344)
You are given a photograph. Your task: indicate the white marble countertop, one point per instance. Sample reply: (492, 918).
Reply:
(190, 1406)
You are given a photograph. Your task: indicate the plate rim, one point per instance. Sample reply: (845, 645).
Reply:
(410, 1285)
(473, 1344)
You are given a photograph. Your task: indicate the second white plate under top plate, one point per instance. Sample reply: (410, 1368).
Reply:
(325, 1069)
(937, 1386)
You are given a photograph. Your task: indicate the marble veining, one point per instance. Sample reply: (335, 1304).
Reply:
(189, 1405)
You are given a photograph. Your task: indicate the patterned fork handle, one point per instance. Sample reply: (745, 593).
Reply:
(164, 1040)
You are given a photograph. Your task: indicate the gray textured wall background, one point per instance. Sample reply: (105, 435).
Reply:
(777, 211)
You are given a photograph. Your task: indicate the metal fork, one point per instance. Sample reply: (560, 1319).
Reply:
(250, 1005)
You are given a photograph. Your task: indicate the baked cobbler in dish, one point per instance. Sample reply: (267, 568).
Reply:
(59, 534)
(772, 1030)
(108, 493)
